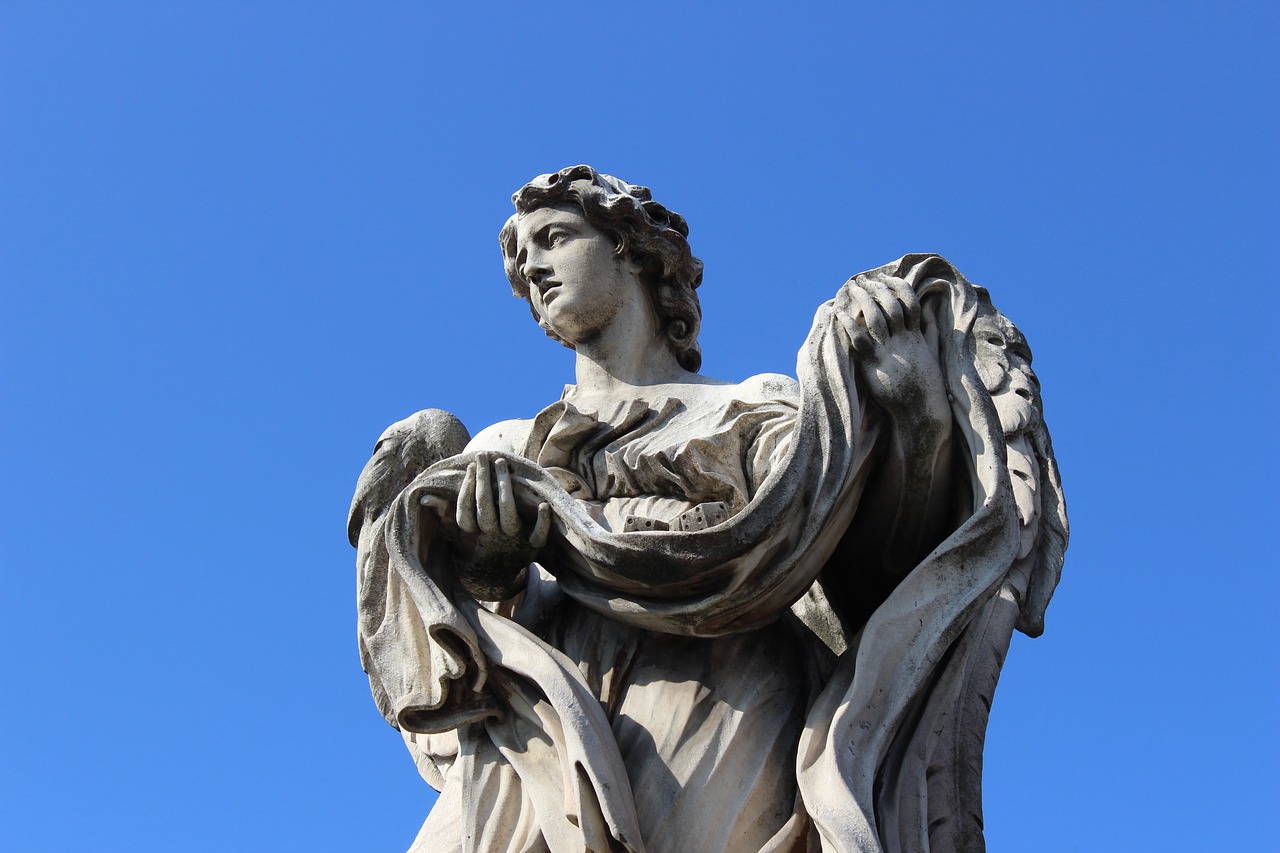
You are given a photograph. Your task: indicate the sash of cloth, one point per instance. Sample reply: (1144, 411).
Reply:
(438, 660)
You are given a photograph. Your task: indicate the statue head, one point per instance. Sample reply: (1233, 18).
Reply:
(1003, 359)
(642, 231)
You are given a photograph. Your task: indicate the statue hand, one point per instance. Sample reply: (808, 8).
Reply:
(897, 347)
(488, 536)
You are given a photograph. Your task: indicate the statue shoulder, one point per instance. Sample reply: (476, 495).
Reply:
(504, 437)
(769, 386)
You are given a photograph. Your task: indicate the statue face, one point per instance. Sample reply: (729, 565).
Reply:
(1006, 372)
(576, 283)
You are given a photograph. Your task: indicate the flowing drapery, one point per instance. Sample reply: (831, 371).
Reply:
(533, 738)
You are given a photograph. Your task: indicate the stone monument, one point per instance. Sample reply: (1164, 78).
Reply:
(670, 613)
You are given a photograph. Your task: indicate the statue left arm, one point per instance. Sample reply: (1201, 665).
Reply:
(907, 506)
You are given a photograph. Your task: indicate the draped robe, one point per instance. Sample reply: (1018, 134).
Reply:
(695, 688)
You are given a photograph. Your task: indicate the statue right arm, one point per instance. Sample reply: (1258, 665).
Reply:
(491, 543)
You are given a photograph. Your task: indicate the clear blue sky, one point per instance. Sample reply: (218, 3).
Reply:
(238, 239)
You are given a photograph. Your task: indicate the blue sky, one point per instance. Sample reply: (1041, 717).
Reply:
(239, 239)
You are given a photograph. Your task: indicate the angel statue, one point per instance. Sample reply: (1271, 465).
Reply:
(671, 613)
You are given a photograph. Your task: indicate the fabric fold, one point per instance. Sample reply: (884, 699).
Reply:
(438, 660)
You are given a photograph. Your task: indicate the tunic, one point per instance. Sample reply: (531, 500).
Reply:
(653, 689)
(707, 727)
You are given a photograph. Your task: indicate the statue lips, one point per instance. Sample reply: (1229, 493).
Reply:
(549, 289)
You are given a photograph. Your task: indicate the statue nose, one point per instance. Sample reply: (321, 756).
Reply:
(535, 273)
(1021, 384)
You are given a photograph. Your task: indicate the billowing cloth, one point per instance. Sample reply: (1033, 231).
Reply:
(549, 755)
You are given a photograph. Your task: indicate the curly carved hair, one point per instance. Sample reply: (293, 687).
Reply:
(642, 230)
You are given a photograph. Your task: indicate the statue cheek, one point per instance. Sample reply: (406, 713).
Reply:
(990, 370)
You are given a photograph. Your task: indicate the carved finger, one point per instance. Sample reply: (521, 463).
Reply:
(929, 323)
(508, 517)
(843, 303)
(846, 310)
(435, 503)
(889, 303)
(466, 512)
(906, 295)
(441, 507)
(542, 529)
(860, 340)
(486, 512)
(872, 319)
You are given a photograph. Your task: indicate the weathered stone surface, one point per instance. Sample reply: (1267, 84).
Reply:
(672, 613)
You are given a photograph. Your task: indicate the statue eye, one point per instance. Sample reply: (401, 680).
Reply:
(995, 340)
(555, 238)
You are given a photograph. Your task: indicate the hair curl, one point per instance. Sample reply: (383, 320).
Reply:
(642, 229)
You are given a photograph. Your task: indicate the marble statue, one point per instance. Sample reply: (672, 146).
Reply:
(670, 613)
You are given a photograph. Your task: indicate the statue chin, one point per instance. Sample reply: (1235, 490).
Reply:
(1017, 413)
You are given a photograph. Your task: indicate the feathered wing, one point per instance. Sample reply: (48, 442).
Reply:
(403, 451)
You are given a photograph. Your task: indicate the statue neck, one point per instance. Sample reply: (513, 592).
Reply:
(618, 362)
